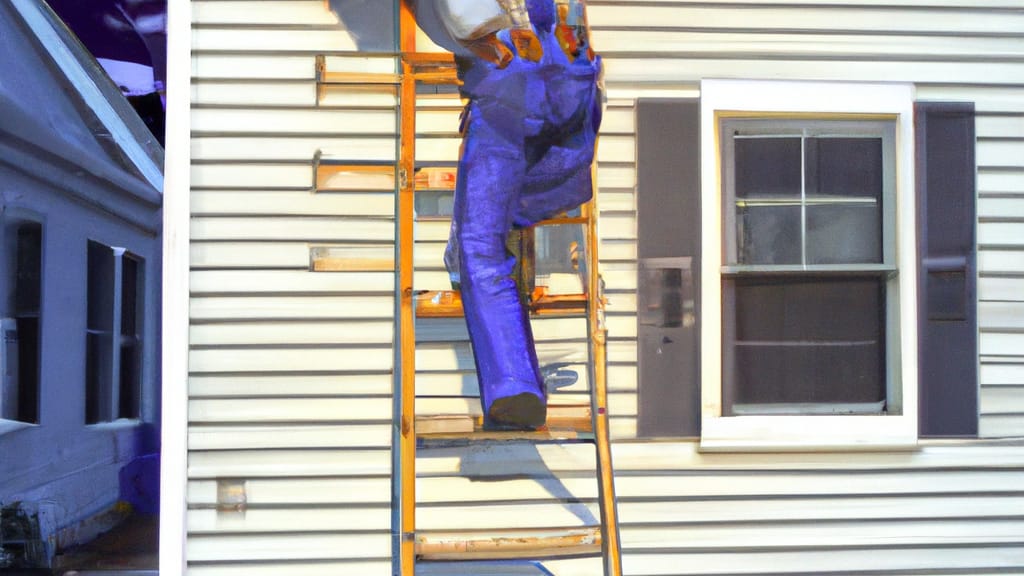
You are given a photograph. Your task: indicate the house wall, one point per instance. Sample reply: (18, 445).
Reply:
(65, 469)
(290, 390)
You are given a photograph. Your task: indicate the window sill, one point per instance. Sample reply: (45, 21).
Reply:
(120, 424)
(8, 426)
(808, 433)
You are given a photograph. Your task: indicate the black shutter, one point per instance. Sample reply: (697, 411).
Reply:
(947, 285)
(668, 224)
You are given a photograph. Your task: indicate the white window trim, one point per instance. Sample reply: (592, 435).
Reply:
(796, 432)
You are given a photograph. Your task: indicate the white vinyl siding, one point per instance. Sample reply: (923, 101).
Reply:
(284, 398)
(290, 371)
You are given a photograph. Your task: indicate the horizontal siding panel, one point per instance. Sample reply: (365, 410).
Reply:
(507, 516)
(262, 67)
(287, 148)
(641, 458)
(288, 463)
(988, 99)
(821, 509)
(1006, 181)
(276, 40)
(1000, 233)
(559, 379)
(1000, 260)
(460, 357)
(263, 121)
(285, 333)
(267, 410)
(648, 70)
(830, 535)
(1001, 426)
(356, 95)
(585, 566)
(1001, 208)
(1002, 126)
(273, 93)
(291, 360)
(618, 404)
(1002, 374)
(999, 288)
(292, 436)
(614, 199)
(1000, 315)
(533, 490)
(614, 148)
(295, 203)
(299, 491)
(321, 229)
(454, 329)
(303, 546)
(273, 521)
(287, 282)
(289, 12)
(290, 308)
(266, 175)
(689, 486)
(1001, 153)
(696, 44)
(769, 484)
(1003, 400)
(379, 567)
(257, 385)
(786, 18)
(1001, 344)
(888, 561)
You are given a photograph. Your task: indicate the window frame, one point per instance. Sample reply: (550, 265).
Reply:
(12, 224)
(108, 391)
(770, 99)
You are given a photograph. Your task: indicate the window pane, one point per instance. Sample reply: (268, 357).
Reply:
(844, 167)
(560, 258)
(22, 272)
(767, 167)
(844, 196)
(131, 338)
(767, 201)
(99, 338)
(844, 234)
(805, 340)
(768, 234)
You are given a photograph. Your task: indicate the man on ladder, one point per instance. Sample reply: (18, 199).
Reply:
(529, 137)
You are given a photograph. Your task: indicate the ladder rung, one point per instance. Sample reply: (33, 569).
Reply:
(509, 544)
(448, 304)
(565, 421)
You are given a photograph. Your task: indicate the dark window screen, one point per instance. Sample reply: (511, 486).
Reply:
(806, 339)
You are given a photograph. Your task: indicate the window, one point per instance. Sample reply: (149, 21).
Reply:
(113, 337)
(20, 322)
(809, 264)
(809, 333)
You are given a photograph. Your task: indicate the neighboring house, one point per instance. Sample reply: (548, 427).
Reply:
(887, 127)
(80, 219)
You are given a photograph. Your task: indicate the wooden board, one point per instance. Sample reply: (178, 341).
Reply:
(508, 544)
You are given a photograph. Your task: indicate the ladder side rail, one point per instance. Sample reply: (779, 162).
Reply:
(610, 541)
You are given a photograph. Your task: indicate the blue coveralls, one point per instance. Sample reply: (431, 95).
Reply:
(529, 135)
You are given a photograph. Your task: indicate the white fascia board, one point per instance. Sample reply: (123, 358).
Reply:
(85, 82)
